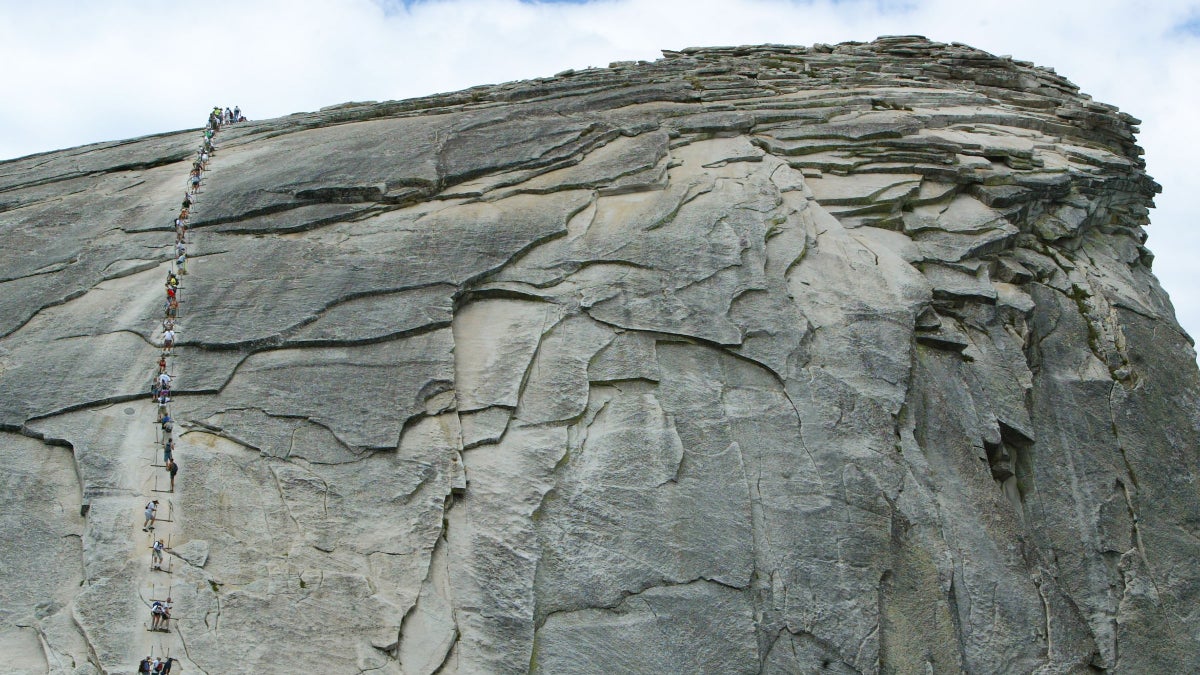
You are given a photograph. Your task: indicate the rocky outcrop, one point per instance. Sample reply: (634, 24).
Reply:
(760, 359)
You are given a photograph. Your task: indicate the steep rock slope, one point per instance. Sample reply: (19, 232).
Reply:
(754, 360)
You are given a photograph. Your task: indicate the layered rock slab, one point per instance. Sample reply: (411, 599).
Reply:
(760, 359)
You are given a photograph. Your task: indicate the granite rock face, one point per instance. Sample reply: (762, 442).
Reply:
(749, 360)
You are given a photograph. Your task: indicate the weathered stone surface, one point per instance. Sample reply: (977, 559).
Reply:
(41, 559)
(749, 360)
(655, 631)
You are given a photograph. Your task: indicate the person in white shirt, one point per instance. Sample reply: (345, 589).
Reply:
(151, 510)
(156, 555)
(160, 614)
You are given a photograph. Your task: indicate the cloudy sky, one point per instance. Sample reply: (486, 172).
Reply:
(76, 72)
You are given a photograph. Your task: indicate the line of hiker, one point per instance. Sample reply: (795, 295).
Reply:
(163, 382)
(156, 666)
(217, 117)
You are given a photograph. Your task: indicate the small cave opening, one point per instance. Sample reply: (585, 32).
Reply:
(1009, 463)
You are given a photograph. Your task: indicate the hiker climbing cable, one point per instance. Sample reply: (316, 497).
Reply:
(172, 469)
(156, 555)
(169, 335)
(151, 512)
(168, 450)
(160, 614)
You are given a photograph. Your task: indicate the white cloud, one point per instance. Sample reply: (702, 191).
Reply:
(83, 72)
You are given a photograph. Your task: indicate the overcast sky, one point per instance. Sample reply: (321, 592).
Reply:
(75, 72)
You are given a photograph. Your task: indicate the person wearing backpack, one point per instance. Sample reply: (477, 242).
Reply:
(156, 616)
(151, 511)
(172, 469)
(156, 555)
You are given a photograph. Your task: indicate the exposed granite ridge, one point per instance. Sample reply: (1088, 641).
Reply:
(752, 359)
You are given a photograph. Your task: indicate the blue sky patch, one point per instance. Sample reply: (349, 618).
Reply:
(1190, 27)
